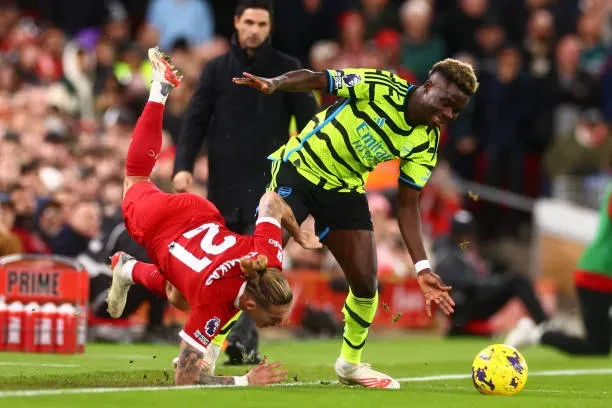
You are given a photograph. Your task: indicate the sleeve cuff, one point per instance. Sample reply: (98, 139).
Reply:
(271, 220)
(189, 340)
(330, 80)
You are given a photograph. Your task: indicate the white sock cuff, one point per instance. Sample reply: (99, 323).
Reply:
(156, 94)
(127, 269)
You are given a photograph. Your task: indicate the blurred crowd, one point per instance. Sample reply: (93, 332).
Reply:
(74, 77)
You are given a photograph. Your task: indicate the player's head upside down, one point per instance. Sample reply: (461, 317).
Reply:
(268, 295)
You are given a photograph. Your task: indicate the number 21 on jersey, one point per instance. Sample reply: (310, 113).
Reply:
(189, 259)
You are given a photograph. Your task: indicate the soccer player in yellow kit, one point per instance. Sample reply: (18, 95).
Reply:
(323, 170)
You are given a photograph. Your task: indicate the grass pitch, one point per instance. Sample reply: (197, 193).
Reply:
(433, 372)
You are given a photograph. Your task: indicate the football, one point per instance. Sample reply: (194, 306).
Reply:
(499, 370)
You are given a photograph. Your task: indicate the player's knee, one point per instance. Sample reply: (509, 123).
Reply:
(364, 288)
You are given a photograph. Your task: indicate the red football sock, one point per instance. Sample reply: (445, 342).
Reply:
(149, 276)
(146, 141)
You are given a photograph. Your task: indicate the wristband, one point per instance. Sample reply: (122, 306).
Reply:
(241, 381)
(421, 265)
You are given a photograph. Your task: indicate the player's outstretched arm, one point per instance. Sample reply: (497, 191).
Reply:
(409, 219)
(272, 205)
(188, 371)
(301, 80)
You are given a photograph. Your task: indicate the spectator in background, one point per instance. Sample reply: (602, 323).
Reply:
(464, 140)
(24, 202)
(479, 289)
(583, 152)
(50, 221)
(564, 94)
(237, 154)
(9, 241)
(83, 226)
(299, 24)
(459, 29)
(505, 100)
(353, 48)
(389, 43)
(489, 37)
(539, 43)
(420, 48)
(379, 15)
(175, 19)
(594, 52)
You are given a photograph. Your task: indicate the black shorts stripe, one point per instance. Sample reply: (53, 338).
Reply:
(332, 150)
(354, 347)
(356, 317)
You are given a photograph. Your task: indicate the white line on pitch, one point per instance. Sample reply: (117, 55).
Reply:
(14, 363)
(37, 393)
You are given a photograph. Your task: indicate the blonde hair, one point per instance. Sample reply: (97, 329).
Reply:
(459, 73)
(267, 286)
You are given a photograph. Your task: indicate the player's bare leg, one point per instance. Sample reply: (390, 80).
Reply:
(355, 252)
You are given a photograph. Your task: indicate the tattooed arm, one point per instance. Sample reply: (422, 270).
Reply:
(273, 206)
(189, 372)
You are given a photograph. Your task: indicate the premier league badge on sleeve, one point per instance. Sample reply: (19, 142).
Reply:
(211, 326)
(352, 79)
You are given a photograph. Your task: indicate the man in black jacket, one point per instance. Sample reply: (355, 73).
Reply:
(479, 288)
(241, 127)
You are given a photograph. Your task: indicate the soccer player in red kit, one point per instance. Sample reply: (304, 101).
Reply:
(217, 271)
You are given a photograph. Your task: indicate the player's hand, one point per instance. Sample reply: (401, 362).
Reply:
(264, 85)
(266, 374)
(435, 291)
(307, 239)
(182, 181)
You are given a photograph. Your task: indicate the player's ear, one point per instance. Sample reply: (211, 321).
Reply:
(427, 85)
(249, 303)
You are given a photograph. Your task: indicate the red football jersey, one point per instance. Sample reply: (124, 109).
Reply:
(204, 265)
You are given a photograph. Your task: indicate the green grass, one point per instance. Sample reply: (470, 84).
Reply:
(311, 361)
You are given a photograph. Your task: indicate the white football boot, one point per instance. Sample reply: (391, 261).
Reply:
(117, 294)
(163, 70)
(525, 334)
(363, 374)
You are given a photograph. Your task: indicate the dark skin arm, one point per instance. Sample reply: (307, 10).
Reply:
(409, 219)
(301, 80)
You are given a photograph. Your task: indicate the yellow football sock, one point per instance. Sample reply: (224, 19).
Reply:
(358, 316)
